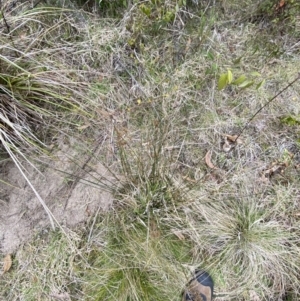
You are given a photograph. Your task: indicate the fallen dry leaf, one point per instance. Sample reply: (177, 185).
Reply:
(280, 4)
(275, 168)
(234, 139)
(189, 179)
(7, 263)
(208, 160)
(230, 141)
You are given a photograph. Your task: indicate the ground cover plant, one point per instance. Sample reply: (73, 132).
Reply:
(159, 93)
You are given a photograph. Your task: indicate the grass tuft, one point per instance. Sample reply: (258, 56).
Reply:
(242, 241)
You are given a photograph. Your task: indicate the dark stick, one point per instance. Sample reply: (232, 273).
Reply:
(267, 103)
(8, 31)
(6, 24)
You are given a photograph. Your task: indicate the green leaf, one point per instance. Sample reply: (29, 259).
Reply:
(229, 77)
(239, 80)
(169, 16)
(247, 83)
(222, 81)
(260, 84)
(291, 120)
(146, 10)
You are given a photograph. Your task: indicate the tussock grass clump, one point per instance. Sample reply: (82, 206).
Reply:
(36, 82)
(45, 65)
(138, 261)
(141, 257)
(43, 73)
(247, 245)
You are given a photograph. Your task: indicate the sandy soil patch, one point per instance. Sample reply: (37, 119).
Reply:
(71, 199)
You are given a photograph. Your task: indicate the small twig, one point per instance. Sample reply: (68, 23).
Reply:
(266, 104)
(5, 22)
(8, 30)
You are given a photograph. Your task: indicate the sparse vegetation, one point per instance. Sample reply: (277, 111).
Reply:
(162, 83)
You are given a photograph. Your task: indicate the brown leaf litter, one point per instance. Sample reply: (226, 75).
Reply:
(230, 141)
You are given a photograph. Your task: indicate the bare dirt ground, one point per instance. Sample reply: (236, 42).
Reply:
(72, 201)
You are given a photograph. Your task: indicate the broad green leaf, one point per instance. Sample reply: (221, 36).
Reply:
(239, 80)
(247, 83)
(260, 84)
(229, 77)
(291, 120)
(222, 81)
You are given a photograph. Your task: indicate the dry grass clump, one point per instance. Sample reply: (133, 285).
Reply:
(45, 269)
(45, 65)
(138, 261)
(31, 85)
(246, 243)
